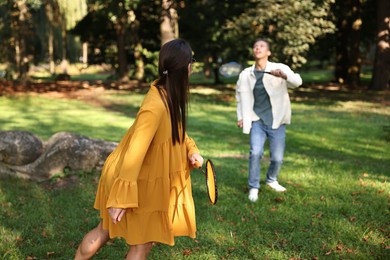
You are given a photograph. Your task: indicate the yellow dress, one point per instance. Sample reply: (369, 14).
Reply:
(150, 177)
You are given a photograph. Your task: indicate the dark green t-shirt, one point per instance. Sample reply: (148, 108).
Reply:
(262, 106)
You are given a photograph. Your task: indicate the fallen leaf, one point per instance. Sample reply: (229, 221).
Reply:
(187, 252)
(279, 199)
(328, 253)
(317, 215)
(220, 219)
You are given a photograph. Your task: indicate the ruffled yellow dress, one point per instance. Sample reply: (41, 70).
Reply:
(150, 177)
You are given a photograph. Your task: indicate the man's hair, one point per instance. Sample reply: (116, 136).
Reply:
(174, 58)
(262, 40)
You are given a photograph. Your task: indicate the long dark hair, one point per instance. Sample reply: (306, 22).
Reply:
(174, 58)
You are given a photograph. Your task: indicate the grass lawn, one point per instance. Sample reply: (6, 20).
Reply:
(336, 172)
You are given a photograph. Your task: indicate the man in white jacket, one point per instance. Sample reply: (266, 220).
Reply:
(263, 111)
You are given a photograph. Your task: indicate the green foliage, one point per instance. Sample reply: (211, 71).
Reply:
(151, 67)
(202, 23)
(291, 26)
(72, 11)
(336, 170)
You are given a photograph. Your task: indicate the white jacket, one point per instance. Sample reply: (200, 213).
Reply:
(276, 88)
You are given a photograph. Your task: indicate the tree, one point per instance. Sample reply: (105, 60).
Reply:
(348, 41)
(291, 26)
(67, 14)
(202, 23)
(111, 16)
(52, 11)
(381, 69)
(22, 35)
(169, 27)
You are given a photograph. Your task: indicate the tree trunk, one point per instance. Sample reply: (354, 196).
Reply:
(122, 58)
(169, 27)
(51, 50)
(348, 60)
(341, 65)
(138, 48)
(139, 62)
(18, 54)
(50, 43)
(381, 70)
(64, 63)
(20, 46)
(354, 65)
(85, 54)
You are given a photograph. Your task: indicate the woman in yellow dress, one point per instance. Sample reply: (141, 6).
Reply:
(144, 194)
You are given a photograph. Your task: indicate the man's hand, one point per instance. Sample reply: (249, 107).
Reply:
(116, 214)
(239, 123)
(278, 73)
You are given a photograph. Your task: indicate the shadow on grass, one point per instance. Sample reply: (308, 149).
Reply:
(329, 94)
(342, 217)
(309, 220)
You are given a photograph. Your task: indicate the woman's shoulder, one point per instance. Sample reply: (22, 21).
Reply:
(153, 100)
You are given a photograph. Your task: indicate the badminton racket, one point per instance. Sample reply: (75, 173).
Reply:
(211, 180)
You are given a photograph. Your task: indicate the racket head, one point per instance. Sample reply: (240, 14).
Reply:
(211, 182)
(231, 69)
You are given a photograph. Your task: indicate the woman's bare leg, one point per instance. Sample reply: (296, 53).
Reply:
(139, 252)
(91, 243)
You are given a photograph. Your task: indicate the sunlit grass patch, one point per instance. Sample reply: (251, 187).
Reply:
(336, 171)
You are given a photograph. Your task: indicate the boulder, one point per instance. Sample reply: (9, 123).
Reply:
(19, 147)
(62, 151)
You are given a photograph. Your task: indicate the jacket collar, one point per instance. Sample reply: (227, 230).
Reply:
(253, 67)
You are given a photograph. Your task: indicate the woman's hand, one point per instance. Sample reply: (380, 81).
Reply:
(194, 158)
(116, 214)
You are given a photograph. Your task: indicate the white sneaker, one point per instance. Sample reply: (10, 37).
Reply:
(276, 186)
(253, 195)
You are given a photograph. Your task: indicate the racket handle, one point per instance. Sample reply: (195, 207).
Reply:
(197, 164)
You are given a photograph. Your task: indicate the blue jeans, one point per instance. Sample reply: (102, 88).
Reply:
(258, 135)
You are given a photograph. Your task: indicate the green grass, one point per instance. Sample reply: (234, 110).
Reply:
(336, 171)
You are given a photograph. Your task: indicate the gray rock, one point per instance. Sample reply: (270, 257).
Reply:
(19, 147)
(62, 151)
